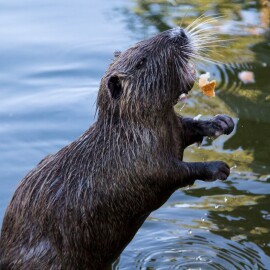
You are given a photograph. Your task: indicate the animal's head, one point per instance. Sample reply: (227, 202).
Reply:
(149, 77)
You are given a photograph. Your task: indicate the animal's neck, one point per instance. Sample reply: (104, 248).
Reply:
(140, 131)
(151, 120)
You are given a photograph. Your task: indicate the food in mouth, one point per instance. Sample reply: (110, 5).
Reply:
(208, 88)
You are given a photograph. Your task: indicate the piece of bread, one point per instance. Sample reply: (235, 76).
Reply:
(208, 88)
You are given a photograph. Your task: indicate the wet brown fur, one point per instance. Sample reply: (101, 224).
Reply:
(81, 206)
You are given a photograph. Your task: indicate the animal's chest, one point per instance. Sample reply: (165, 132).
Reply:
(175, 138)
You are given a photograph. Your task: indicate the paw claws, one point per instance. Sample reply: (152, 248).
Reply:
(222, 124)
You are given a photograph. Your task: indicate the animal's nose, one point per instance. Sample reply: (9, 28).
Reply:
(178, 34)
(182, 34)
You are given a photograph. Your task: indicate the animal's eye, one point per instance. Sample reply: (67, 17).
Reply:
(141, 62)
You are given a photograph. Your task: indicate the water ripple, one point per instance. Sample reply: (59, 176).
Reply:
(229, 75)
(197, 252)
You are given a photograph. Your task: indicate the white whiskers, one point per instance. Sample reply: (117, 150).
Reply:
(203, 36)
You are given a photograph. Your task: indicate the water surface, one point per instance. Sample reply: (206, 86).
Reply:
(53, 55)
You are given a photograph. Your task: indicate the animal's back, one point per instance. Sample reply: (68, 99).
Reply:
(69, 205)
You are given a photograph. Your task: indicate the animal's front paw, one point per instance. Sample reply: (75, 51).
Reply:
(216, 170)
(221, 124)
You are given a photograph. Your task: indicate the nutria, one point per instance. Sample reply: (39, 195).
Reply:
(80, 207)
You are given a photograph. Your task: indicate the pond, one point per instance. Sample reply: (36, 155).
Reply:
(53, 54)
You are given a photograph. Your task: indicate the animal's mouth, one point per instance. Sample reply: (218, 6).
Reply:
(190, 80)
(195, 41)
(183, 97)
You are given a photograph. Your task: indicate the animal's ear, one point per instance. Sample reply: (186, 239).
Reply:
(115, 87)
(116, 54)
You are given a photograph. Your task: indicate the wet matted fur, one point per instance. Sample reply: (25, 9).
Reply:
(81, 206)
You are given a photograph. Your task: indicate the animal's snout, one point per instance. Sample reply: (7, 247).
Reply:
(179, 34)
(182, 34)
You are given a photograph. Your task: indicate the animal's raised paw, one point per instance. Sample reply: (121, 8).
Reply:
(221, 124)
(216, 170)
